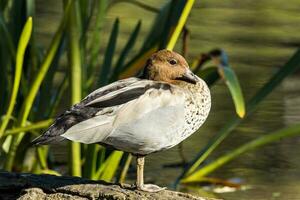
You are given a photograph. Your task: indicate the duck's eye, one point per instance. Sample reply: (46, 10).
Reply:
(173, 62)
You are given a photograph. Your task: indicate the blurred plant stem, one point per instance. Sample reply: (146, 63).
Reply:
(125, 168)
(30, 127)
(75, 82)
(23, 42)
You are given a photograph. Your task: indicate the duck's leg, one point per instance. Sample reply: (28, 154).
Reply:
(140, 161)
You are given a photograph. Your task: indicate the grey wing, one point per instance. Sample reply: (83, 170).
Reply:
(91, 119)
(143, 125)
(80, 112)
(108, 89)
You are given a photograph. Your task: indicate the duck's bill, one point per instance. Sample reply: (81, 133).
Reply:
(189, 77)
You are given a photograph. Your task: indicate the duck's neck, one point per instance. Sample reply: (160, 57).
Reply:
(195, 89)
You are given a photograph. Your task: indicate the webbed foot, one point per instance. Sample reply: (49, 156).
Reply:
(151, 188)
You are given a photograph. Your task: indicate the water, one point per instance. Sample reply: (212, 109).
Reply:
(259, 36)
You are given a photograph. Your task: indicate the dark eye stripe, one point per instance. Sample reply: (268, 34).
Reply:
(173, 62)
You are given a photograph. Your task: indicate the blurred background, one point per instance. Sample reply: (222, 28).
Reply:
(258, 36)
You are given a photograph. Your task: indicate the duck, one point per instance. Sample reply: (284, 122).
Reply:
(140, 115)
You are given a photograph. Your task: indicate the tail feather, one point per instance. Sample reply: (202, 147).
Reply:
(59, 127)
(44, 140)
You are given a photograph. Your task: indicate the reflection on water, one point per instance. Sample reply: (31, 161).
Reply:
(259, 36)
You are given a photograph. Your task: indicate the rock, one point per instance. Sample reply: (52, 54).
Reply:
(48, 187)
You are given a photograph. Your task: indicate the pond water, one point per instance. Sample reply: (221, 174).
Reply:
(259, 36)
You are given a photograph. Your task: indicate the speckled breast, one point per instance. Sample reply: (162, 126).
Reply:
(197, 107)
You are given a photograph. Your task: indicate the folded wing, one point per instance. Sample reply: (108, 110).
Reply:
(95, 117)
(80, 113)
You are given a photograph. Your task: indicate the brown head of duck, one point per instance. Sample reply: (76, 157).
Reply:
(168, 66)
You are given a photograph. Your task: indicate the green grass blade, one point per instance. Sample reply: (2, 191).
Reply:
(41, 157)
(7, 57)
(233, 84)
(125, 169)
(89, 167)
(109, 53)
(210, 75)
(31, 127)
(75, 83)
(27, 105)
(174, 13)
(5, 88)
(182, 20)
(157, 37)
(7, 37)
(29, 99)
(110, 166)
(259, 142)
(22, 45)
(157, 28)
(74, 58)
(220, 58)
(129, 45)
(291, 66)
(48, 89)
(95, 42)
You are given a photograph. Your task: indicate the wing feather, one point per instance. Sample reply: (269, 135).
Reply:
(80, 113)
(126, 94)
(155, 99)
(90, 131)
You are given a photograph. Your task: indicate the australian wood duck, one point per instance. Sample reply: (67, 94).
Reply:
(139, 115)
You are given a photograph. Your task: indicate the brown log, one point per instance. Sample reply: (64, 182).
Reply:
(24, 186)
